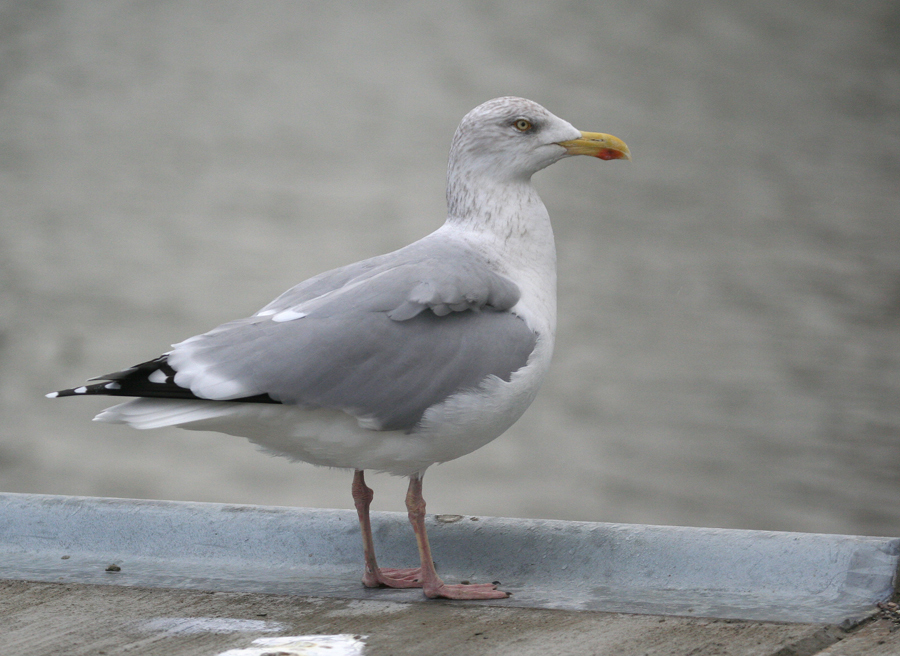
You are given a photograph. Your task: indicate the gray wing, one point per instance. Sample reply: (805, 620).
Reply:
(383, 339)
(440, 276)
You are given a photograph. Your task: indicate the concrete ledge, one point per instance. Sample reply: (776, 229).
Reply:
(722, 573)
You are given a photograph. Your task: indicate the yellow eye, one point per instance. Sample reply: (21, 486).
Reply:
(522, 125)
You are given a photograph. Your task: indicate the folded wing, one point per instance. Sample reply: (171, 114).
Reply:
(382, 340)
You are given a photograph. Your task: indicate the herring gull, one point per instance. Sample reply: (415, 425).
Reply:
(400, 361)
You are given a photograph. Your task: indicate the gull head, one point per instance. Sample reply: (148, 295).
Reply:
(510, 139)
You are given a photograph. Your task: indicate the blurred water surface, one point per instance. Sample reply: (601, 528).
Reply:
(728, 350)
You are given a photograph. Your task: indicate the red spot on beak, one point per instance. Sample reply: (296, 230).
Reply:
(608, 154)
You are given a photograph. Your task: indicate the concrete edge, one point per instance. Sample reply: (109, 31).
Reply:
(725, 573)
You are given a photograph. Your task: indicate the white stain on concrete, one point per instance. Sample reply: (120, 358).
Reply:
(310, 645)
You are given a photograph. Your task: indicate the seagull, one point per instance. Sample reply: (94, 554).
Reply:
(400, 361)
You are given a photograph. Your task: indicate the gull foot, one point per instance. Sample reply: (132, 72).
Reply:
(409, 577)
(465, 591)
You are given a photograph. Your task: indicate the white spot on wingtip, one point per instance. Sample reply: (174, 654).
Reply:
(208, 385)
(80, 390)
(52, 395)
(158, 376)
(266, 313)
(112, 386)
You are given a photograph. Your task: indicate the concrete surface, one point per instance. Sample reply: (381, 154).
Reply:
(728, 348)
(47, 619)
(663, 570)
(82, 576)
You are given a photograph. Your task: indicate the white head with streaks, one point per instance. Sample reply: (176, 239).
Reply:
(508, 139)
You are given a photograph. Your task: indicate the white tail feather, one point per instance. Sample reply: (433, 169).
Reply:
(148, 413)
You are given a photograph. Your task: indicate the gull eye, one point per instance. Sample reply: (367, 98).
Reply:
(523, 125)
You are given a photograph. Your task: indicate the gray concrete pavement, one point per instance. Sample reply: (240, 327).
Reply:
(46, 619)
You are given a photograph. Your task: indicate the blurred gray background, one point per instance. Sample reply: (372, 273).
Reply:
(728, 350)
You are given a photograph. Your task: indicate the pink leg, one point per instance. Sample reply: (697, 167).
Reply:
(374, 576)
(432, 586)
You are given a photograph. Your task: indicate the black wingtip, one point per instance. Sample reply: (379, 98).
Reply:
(99, 388)
(151, 379)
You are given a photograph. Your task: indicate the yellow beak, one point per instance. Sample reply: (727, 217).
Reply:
(597, 144)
